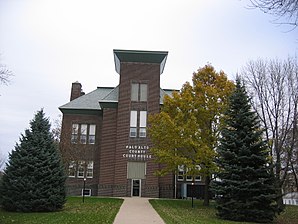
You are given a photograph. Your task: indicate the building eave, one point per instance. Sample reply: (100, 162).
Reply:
(137, 56)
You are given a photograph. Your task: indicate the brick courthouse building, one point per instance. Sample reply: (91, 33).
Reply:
(104, 133)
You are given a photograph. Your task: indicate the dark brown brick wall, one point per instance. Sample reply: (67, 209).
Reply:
(107, 153)
(135, 72)
(112, 137)
(86, 152)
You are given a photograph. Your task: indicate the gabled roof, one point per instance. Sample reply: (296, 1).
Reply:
(89, 101)
(164, 92)
(102, 95)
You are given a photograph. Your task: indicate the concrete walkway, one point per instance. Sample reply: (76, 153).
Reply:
(137, 210)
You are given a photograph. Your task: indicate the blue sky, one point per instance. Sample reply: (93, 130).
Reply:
(48, 44)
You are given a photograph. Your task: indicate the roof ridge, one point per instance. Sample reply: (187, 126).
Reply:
(105, 87)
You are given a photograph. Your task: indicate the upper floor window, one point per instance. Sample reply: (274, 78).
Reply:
(91, 139)
(138, 124)
(139, 92)
(143, 124)
(133, 123)
(83, 133)
(74, 133)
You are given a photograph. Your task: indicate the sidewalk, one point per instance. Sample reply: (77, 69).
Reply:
(137, 210)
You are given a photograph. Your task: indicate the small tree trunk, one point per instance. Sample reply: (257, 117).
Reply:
(279, 199)
(206, 193)
(295, 177)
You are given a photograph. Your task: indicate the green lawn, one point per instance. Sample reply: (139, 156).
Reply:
(94, 210)
(180, 211)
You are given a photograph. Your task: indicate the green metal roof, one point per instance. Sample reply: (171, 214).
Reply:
(155, 57)
(88, 101)
(101, 97)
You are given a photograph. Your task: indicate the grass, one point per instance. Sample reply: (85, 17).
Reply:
(94, 210)
(104, 210)
(180, 211)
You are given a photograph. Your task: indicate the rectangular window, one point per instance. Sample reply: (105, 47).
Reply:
(91, 138)
(89, 173)
(86, 192)
(134, 92)
(133, 123)
(188, 178)
(72, 169)
(182, 172)
(143, 124)
(136, 170)
(74, 133)
(81, 169)
(138, 124)
(143, 92)
(139, 92)
(142, 132)
(198, 178)
(133, 132)
(83, 134)
(143, 119)
(180, 176)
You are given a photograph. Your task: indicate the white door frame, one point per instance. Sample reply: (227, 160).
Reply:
(140, 187)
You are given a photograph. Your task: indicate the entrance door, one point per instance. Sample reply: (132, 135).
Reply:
(136, 188)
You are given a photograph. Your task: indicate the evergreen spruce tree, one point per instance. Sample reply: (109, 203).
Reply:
(34, 178)
(245, 190)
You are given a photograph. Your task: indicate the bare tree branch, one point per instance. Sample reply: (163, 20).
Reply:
(282, 9)
(273, 86)
(5, 74)
(2, 161)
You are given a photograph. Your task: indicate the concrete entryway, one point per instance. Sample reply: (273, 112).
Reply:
(136, 210)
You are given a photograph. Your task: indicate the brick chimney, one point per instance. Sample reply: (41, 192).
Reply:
(76, 90)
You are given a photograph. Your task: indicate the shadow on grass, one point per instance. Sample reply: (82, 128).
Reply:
(180, 211)
(94, 210)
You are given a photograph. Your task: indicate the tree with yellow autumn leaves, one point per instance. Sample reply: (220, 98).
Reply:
(185, 132)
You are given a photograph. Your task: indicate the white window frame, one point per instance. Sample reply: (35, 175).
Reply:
(72, 166)
(198, 178)
(89, 172)
(180, 175)
(74, 133)
(143, 124)
(142, 133)
(83, 133)
(91, 134)
(188, 178)
(133, 124)
(81, 164)
(87, 189)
